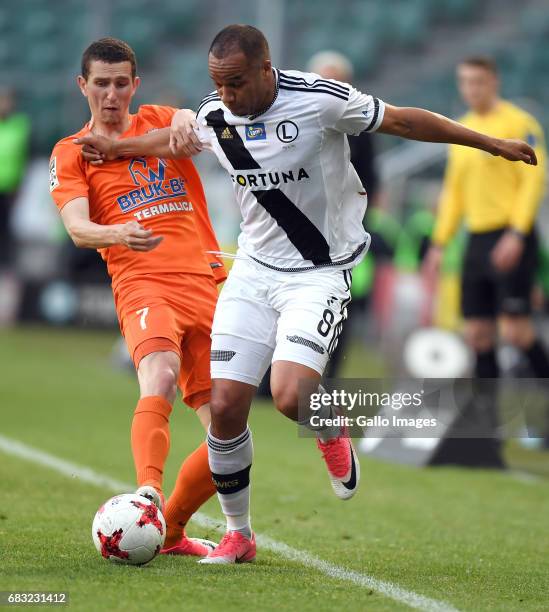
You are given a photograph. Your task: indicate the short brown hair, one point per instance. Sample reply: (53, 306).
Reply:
(481, 61)
(109, 50)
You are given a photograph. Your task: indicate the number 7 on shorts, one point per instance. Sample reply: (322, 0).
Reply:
(143, 312)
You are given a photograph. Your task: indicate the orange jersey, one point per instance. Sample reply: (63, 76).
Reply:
(165, 196)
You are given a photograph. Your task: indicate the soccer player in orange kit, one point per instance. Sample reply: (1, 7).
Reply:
(148, 219)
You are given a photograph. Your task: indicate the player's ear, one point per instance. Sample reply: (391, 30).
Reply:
(81, 82)
(136, 83)
(267, 66)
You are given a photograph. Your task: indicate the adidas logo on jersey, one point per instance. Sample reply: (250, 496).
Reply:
(226, 133)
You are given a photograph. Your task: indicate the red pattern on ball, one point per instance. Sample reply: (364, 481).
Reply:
(110, 545)
(149, 516)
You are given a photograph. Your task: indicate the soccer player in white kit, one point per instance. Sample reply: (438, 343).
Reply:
(281, 135)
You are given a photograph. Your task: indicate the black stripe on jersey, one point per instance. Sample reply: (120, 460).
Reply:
(341, 87)
(291, 80)
(315, 90)
(321, 85)
(376, 115)
(316, 83)
(211, 95)
(210, 98)
(231, 143)
(303, 234)
(297, 82)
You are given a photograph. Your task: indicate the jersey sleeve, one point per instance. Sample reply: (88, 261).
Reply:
(353, 113)
(67, 176)
(202, 130)
(203, 133)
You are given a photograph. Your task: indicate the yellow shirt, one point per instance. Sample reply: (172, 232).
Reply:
(488, 192)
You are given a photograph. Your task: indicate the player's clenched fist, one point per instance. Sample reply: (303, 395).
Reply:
(136, 237)
(184, 141)
(96, 149)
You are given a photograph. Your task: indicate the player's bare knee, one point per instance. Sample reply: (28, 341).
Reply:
(158, 375)
(286, 402)
(228, 416)
(229, 406)
(285, 384)
(222, 407)
(166, 383)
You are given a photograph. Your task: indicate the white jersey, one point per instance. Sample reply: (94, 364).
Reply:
(301, 199)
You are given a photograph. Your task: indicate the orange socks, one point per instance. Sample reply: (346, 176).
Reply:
(151, 439)
(150, 445)
(194, 487)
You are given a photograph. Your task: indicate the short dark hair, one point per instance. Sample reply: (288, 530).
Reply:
(238, 37)
(109, 50)
(481, 61)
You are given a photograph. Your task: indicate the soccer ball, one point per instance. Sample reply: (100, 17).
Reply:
(129, 529)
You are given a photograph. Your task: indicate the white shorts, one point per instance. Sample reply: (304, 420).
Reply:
(263, 316)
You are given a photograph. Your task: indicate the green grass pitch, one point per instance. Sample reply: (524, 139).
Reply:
(475, 540)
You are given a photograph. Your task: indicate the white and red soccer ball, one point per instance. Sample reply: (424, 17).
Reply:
(129, 529)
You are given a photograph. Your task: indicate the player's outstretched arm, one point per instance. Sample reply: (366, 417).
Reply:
(98, 149)
(87, 234)
(420, 124)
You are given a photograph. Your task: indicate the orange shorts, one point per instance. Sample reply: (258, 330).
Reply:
(171, 312)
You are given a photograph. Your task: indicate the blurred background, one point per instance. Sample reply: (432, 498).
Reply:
(402, 51)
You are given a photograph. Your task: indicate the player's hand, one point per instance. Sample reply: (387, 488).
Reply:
(134, 236)
(431, 263)
(184, 141)
(507, 253)
(515, 150)
(97, 149)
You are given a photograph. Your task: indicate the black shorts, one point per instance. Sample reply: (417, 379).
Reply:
(485, 292)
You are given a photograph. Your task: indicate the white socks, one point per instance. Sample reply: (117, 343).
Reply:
(230, 462)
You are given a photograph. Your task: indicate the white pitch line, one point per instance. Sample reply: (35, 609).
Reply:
(86, 474)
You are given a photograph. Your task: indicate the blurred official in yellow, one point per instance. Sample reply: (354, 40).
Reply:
(498, 203)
